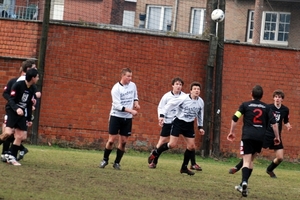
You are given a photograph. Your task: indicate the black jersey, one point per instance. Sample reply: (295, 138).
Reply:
(21, 97)
(257, 116)
(281, 115)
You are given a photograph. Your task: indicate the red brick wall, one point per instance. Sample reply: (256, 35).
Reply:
(82, 64)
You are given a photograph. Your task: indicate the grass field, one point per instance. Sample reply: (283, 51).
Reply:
(58, 173)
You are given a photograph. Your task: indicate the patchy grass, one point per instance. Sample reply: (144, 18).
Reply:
(59, 173)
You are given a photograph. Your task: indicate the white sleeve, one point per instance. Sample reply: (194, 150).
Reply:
(116, 100)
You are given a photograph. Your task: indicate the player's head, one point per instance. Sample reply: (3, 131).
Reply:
(177, 79)
(126, 75)
(195, 84)
(27, 64)
(177, 84)
(278, 93)
(257, 92)
(32, 74)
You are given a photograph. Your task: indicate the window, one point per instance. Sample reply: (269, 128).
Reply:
(57, 9)
(197, 21)
(250, 26)
(128, 18)
(159, 17)
(275, 27)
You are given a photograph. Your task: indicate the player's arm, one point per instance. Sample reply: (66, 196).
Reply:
(235, 118)
(13, 95)
(7, 89)
(286, 121)
(136, 104)
(200, 118)
(161, 104)
(275, 128)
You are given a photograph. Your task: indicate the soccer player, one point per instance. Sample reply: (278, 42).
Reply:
(6, 94)
(190, 106)
(124, 106)
(257, 117)
(19, 110)
(177, 84)
(281, 115)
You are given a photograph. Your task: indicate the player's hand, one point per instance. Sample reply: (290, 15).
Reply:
(161, 121)
(201, 130)
(20, 112)
(133, 112)
(276, 141)
(231, 137)
(29, 124)
(137, 106)
(289, 127)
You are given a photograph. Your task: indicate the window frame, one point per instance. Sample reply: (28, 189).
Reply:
(124, 14)
(201, 23)
(162, 14)
(263, 23)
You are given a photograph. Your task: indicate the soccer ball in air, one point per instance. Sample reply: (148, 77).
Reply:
(218, 15)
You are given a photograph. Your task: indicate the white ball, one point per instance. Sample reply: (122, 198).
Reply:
(217, 15)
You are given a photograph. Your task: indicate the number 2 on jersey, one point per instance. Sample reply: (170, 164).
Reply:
(256, 118)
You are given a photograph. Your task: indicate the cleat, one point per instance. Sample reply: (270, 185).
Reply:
(12, 160)
(244, 189)
(196, 167)
(240, 189)
(3, 158)
(186, 171)
(117, 166)
(233, 170)
(22, 154)
(152, 165)
(103, 163)
(151, 157)
(271, 173)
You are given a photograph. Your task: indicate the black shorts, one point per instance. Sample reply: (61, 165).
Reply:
(166, 130)
(182, 127)
(269, 143)
(15, 121)
(120, 126)
(250, 146)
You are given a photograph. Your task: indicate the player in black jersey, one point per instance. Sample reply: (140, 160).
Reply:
(257, 118)
(27, 64)
(281, 115)
(19, 110)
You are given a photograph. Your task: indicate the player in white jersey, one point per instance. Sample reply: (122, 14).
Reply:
(190, 106)
(177, 84)
(124, 106)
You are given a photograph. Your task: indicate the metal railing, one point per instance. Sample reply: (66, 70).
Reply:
(19, 12)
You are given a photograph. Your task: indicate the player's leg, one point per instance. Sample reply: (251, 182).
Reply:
(164, 138)
(236, 168)
(15, 147)
(275, 163)
(113, 129)
(189, 152)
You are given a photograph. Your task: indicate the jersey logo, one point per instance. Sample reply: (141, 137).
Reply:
(25, 97)
(12, 93)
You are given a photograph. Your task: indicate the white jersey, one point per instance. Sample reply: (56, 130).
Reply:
(169, 117)
(188, 108)
(123, 96)
(21, 78)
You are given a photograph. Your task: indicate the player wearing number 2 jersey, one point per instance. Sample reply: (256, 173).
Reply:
(257, 117)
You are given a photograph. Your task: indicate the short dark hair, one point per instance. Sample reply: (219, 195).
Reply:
(279, 93)
(177, 79)
(257, 92)
(195, 84)
(27, 64)
(31, 73)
